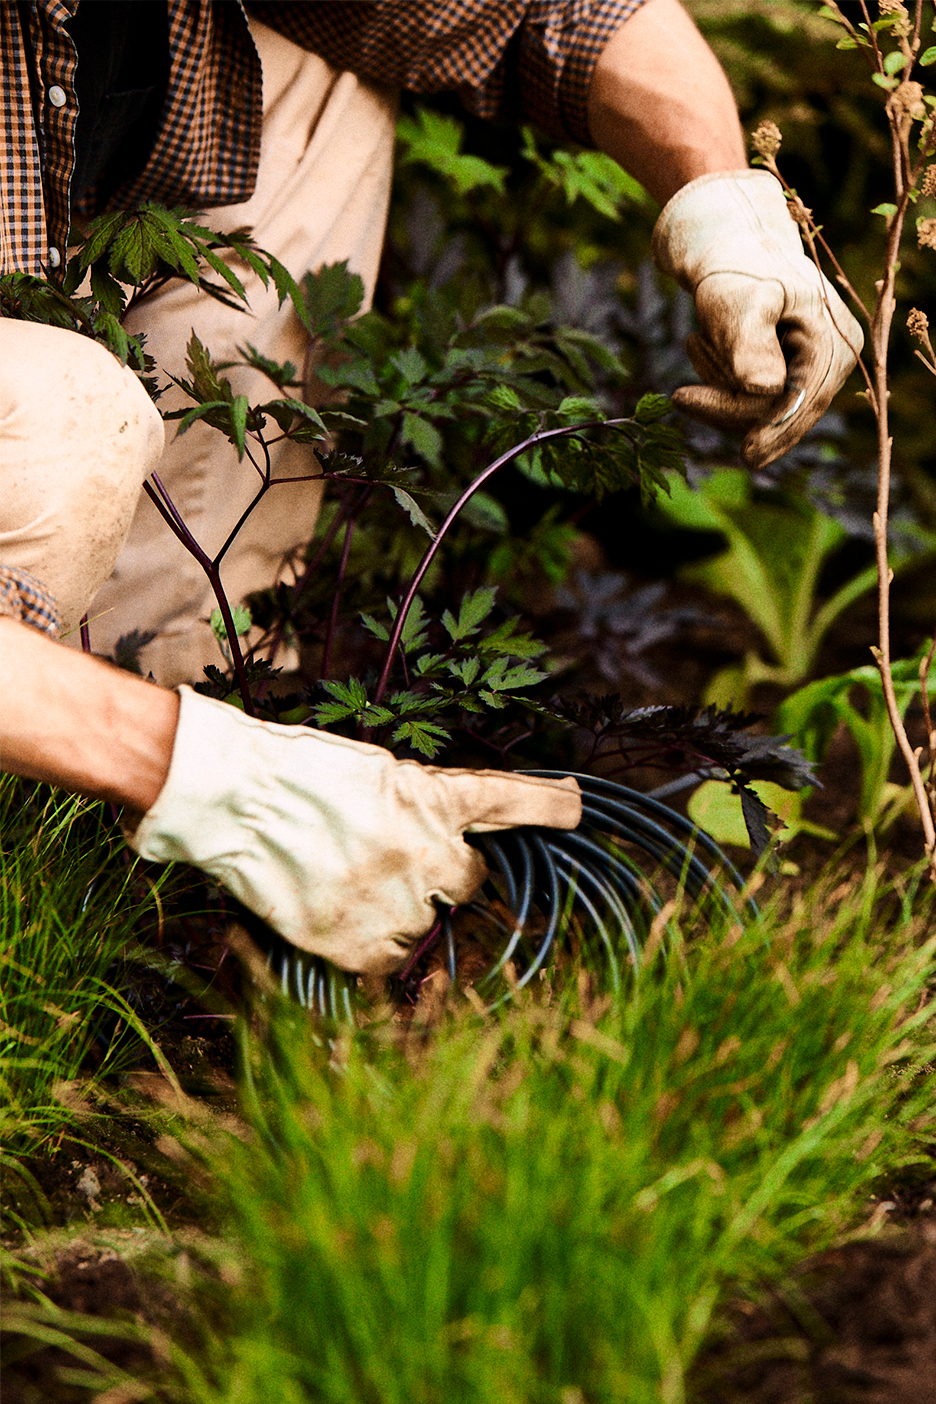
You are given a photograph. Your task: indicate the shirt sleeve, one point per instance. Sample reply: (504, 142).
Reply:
(510, 60)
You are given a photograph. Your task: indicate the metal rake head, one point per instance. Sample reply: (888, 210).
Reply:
(592, 887)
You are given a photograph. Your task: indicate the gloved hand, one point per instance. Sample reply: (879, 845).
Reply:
(776, 342)
(337, 845)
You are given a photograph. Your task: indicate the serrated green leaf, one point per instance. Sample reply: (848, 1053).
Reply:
(883, 81)
(327, 713)
(927, 57)
(894, 62)
(287, 287)
(652, 408)
(213, 411)
(427, 663)
(415, 627)
(353, 692)
(379, 631)
(465, 669)
(100, 234)
(411, 365)
(475, 607)
(327, 299)
(107, 290)
(413, 510)
(128, 254)
(220, 267)
(434, 139)
(425, 737)
(887, 210)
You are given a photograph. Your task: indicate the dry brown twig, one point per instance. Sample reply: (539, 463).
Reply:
(904, 108)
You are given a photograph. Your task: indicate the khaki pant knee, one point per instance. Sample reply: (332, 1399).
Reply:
(78, 434)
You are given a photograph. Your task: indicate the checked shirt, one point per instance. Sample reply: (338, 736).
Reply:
(506, 59)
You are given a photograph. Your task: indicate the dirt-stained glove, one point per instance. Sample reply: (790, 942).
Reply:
(340, 847)
(776, 342)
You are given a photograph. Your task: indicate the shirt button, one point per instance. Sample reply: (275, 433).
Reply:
(57, 96)
(55, 258)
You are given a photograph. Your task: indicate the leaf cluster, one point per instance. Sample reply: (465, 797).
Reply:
(454, 667)
(714, 740)
(126, 255)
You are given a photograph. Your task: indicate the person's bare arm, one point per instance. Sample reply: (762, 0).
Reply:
(660, 103)
(76, 722)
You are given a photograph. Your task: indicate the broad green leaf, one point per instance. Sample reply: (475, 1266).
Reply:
(486, 513)
(423, 437)
(434, 140)
(718, 811)
(239, 422)
(243, 621)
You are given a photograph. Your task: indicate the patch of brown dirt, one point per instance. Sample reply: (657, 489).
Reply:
(856, 1325)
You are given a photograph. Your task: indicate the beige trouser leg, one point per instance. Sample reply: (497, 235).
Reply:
(321, 196)
(78, 434)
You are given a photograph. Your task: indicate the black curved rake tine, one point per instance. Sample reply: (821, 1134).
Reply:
(611, 899)
(619, 863)
(522, 912)
(490, 844)
(672, 855)
(451, 960)
(598, 786)
(556, 871)
(696, 841)
(555, 908)
(579, 878)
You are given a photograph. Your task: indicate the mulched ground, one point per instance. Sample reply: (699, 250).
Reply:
(856, 1325)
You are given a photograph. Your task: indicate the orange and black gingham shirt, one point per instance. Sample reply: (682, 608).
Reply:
(507, 59)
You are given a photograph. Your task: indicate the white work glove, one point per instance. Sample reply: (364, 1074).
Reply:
(337, 845)
(776, 342)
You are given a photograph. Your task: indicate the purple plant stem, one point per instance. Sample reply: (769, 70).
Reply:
(542, 437)
(426, 944)
(341, 519)
(85, 634)
(336, 598)
(170, 514)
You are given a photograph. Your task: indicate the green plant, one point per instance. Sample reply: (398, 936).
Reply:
(68, 912)
(894, 49)
(856, 700)
(771, 567)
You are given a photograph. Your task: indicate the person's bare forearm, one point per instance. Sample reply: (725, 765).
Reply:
(78, 723)
(660, 103)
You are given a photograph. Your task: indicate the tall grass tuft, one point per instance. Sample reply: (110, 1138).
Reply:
(68, 910)
(550, 1204)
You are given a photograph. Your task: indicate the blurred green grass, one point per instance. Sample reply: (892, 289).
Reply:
(547, 1204)
(69, 911)
(550, 1205)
